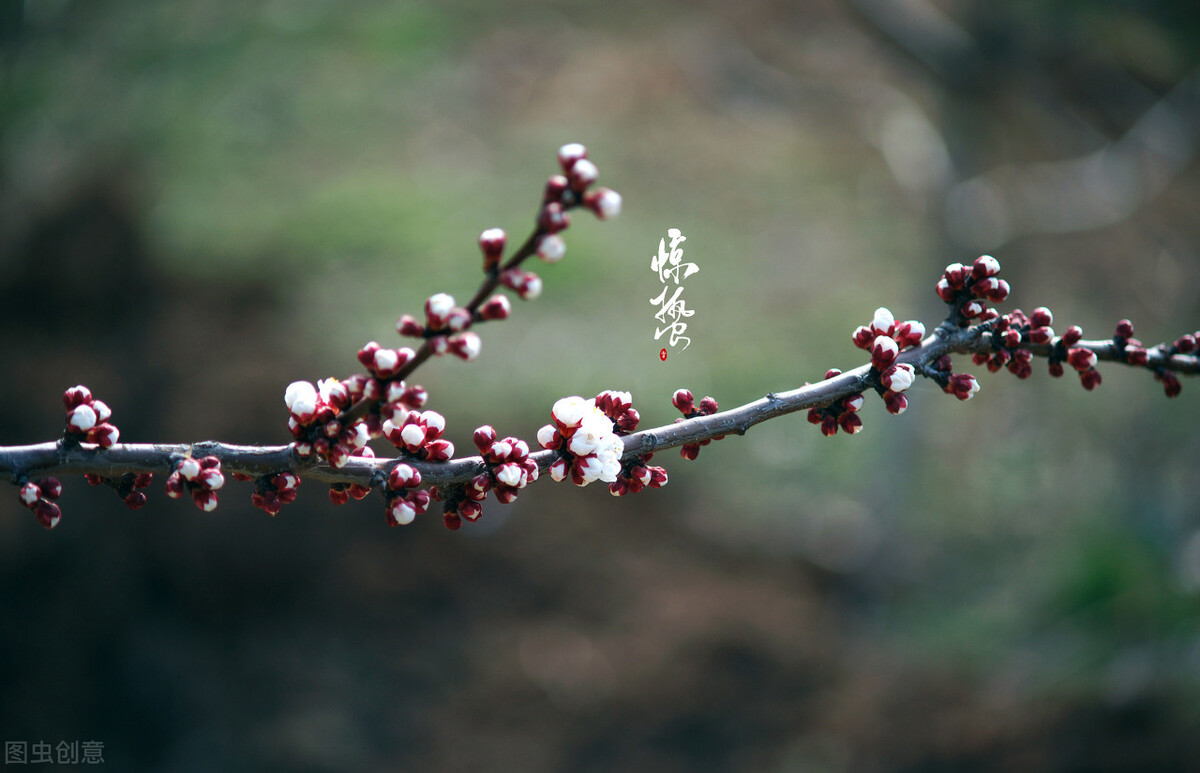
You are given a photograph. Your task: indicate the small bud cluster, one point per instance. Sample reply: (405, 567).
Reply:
(314, 419)
(637, 473)
(686, 404)
(1009, 334)
(419, 433)
(1081, 358)
(571, 187)
(843, 413)
(1134, 353)
(884, 338)
(588, 447)
(37, 497)
(272, 492)
(507, 469)
(961, 385)
(340, 493)
(88, 418)
(404, 500)
(126, 486)
(968, 290)
(201, 477)
(445, 328)
(562, 193)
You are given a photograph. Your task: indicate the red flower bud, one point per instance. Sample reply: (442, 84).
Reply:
(1041, 317)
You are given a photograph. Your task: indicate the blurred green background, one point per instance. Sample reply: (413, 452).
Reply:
(201, 201)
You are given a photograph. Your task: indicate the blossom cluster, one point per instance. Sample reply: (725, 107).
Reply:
(201, 477)
(637, 473)
(968, 290)
(588, 447)
(885, 338)
(272, 492)
(686, 404)
(1010, 332)
(445, 328)
(88, 418)
(419, 434)
(340, 493)
(843, 413)
(508, 468)
(37, 497)
(314, 422)
(404, 500)
(961, 385)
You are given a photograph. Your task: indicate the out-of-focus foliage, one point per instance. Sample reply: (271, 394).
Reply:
(203, 201)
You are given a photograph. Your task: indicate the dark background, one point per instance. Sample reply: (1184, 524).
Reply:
(203, 201)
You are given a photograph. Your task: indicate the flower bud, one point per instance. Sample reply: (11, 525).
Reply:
(569, 155)
(899, 378)
(465, 346)
(1136, 355)
(556, 185)
(985, 266)
(104, 435)
(548, 437)
(205, 500)
(896, 403)
(582, 174)
(553, 218)
(605, 202)
(945, 291)
(29, 494)
(470, 510)
(1041, 335)
(47, 513)
(683, 401)
(400, 513)
(551, 248)
(484, 437)
(75, 396)
(81, 418)
(1081, 359)
(437, 310)
(1170, 382)
(459, 319)
(883, 352)
(211, 479)
(495, 308)
(403, 476)
(492, 242)
(883, 322)
(908, 333)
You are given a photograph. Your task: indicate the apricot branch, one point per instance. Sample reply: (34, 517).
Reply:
(590, 440)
